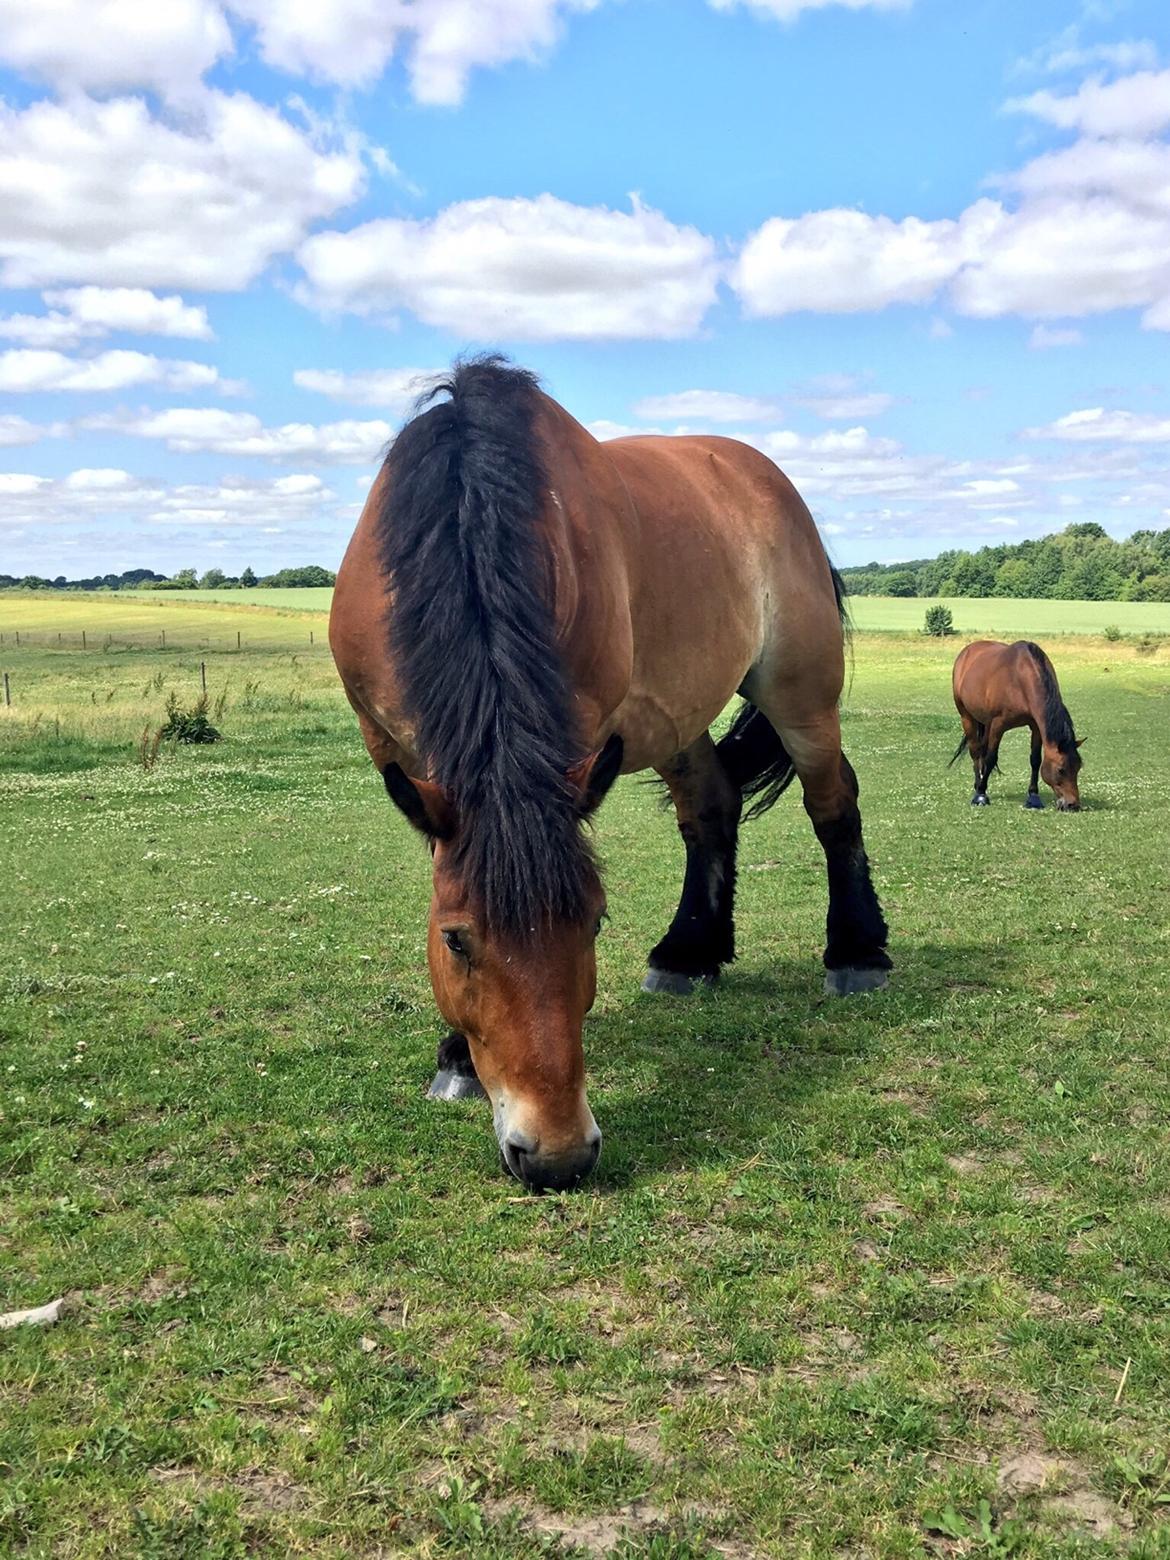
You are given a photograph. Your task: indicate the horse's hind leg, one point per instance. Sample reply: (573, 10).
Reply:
(702, 935)
(855, 949)
(986, 758)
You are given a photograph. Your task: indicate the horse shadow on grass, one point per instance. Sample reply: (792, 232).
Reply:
(709, 1080)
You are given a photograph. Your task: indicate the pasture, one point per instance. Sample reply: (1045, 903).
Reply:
(882, 1277)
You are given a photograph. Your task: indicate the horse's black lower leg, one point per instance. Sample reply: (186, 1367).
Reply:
(702, 935)
(1033, 797)
(855, 948)
(455, 1073)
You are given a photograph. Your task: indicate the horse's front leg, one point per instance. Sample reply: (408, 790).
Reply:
(701, 938)
(1033, 797)
(455, 1077)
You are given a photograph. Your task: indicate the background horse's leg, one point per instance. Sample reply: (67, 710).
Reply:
(1033, 797)
(454, 1072)
(855, 951)
(702, 935)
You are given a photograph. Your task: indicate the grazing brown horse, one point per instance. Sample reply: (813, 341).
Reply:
(524, 612)
(998, 687)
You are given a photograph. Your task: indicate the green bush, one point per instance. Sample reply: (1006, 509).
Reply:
(938, 622)
(188, 725)
(1112, 632)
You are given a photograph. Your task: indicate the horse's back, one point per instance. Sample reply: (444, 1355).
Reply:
(991, 680)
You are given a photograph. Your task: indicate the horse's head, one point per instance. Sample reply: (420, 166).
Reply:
(520, 996)
(1059, 768)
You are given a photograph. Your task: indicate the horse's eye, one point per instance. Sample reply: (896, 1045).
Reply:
(455, 943)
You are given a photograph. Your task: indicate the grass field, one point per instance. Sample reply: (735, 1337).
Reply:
(290, 614)
(888, 1277)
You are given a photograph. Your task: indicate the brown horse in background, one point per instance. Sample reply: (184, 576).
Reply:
(524, 612)
(998, 687)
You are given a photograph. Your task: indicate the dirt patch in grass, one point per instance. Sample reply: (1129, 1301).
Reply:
(262, 1492)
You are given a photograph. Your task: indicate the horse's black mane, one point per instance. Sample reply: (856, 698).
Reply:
(1058, 726)
(472, 638)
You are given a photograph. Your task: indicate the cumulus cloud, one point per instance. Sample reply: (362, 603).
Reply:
(539, 269)
(1066, 52)
(108, 193)
(112, 45)
(394, 390)
(18, 430)
(1135, 105)
(846, 262)
(1098, 425)
(717, 406)
(31, 369)
(191, 430)
(442, 41)
(789, 10)
(111, 494)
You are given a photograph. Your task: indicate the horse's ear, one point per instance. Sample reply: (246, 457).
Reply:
(593, 776)
(1082, 742)
(423, 803)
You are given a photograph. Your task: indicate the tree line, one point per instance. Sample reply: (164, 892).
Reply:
(1080, 563)
(184, 579)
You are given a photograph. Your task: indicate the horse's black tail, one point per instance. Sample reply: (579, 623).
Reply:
(755, 759)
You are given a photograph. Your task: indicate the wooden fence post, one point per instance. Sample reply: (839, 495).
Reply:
(7, 693)
(203, 674)
(237, 639)
(83, 639)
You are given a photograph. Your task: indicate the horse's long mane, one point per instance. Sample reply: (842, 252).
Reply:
(472, 639)
(1058, 726)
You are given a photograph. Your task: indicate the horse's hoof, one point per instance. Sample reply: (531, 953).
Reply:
(673, 983)
(1032, 800)
(980, 799)
(456, 1086)
(847, 982)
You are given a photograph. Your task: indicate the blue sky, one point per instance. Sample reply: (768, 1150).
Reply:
(918, 253)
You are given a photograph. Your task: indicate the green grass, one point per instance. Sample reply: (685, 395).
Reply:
(847, 1270)
(1007, 615)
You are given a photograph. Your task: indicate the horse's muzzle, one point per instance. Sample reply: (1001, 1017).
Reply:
(549, 1172)
(1064, 806)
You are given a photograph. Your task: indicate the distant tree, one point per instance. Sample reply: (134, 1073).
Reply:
(1013, 578)
(901, 583)
(247, 579)
(938, 621)
(309, 575)
(212, 580)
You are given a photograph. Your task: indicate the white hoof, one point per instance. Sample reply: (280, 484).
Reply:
(848, 982)
(456, 1086)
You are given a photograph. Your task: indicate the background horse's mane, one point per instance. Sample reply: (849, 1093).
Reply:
(472, 638)
(1058, 726)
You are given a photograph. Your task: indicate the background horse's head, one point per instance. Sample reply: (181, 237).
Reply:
(518, 989)
(1059, 768)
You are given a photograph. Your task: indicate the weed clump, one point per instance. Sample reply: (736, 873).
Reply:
(189, 725)
(1112, 633)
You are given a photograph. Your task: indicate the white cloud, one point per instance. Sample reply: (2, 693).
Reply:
(18, 430)
(1096, 424)
(846, 405)
(106, 495)
(1067, 53)
(107, 193)
(201, 429)
(394, 390)
(111, 45)
(135, 310)
(1136, 105)
(443, 41)
(789, 10)
(1045, 336)
(518, 269)
(87, 313)
(24, 370)
(717, 406)
(846, 262)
